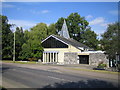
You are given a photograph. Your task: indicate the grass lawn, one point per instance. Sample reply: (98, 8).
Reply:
(21, 62)
(100, 71)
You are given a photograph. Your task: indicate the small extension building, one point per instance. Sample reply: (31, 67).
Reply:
(61, 49)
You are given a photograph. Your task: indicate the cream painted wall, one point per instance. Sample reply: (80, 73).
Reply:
(73, 49)
(62, 51)
(60, 54)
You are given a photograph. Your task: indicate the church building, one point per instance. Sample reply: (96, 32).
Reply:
(61, 49)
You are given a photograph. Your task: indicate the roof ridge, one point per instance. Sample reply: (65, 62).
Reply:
(72, 41)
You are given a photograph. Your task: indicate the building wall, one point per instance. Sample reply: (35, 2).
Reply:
(62, 51)
(60, 54)
(70, 58)
(96, 58)
(73, 49)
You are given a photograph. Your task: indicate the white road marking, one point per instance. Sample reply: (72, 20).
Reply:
(13, 69)
(59, 78)
(54, 71)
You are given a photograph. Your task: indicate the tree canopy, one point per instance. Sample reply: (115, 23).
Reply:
(79, 29)
(7, 38)
(110, 40)
(19, 41)
(32, 47)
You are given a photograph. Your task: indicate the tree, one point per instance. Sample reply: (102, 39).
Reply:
(110, 40)
(32, 47)
(7, 38)
(76, 25)
(39, 31)
(51, 29)
(79, 30)
(59, 24)
(19, 40)
(89, 38)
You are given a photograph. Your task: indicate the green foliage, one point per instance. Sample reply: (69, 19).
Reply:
(39, 31)
(79, 30)
(32, 47)
(76, 25)
(59, 24)
(89, 38)
(101, 66)
(110, 40)
(51, 29)
(19, 40)
(7, 38)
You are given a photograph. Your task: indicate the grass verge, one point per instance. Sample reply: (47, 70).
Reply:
(2, 88)
(20, 62)
(100, 71)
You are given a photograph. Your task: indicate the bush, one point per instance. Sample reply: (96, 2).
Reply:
(102, 66)
(32, 59)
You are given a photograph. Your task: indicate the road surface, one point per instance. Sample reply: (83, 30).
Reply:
(23, 77)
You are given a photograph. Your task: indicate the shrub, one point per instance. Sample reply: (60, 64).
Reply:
(102, 66)
(32, 59)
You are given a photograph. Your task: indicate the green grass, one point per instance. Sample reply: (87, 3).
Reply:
(29, 62)
(101, 71)
(2, 88)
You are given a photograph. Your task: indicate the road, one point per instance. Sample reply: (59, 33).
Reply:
(23, 77)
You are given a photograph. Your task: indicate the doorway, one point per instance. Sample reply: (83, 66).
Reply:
(83, 59)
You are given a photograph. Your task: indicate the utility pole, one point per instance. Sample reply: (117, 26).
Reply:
(14, 49)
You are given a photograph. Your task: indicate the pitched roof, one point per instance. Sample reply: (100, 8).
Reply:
(69, 41)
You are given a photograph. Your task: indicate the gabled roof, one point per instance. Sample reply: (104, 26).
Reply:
(69, 41)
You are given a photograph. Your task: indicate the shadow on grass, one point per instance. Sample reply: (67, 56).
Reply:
(83, 84)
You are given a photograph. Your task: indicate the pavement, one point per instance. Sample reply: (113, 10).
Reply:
(29, 75)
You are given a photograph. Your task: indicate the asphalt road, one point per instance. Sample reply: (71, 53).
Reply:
(21, 77)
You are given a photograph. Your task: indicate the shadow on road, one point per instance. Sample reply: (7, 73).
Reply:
(82, 84)
(4, 69)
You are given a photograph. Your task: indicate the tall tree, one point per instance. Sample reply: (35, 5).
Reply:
(7, 38)
(59, 24)
(51, 29)
(110, 40)
(76, 25)
(19, 40)
(32, 48)
(89, 38)
(39, 31)
(79, 29)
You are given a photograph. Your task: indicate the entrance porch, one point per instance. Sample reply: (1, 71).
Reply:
(50, 57)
